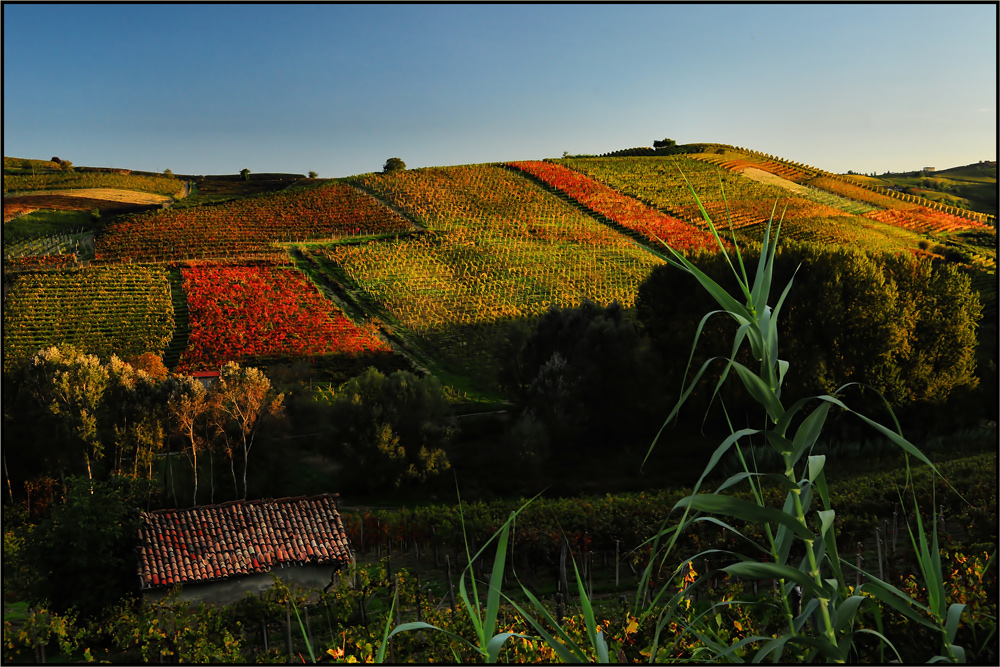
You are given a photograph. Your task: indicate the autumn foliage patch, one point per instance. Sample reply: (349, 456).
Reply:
(248, 227)
(240, 313)
(625, 211)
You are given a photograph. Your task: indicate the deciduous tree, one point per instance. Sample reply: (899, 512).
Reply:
(245, 399)
(189, 414)
(70, 387)
(392, 429)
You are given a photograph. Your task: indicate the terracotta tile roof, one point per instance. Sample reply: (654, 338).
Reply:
(213, 542)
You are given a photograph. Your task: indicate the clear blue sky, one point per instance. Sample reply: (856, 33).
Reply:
(337, 89)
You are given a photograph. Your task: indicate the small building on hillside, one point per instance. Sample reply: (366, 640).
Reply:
(206, 378)
(218, 553)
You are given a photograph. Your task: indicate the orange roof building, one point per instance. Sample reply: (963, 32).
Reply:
(231, 542)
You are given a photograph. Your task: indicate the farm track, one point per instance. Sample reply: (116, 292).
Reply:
(374, 195)
(357, 308)
(182, 323)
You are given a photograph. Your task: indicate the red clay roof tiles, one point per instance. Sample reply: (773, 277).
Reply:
(236, 538)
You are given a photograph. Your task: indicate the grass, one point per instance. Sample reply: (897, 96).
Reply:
(45, 223)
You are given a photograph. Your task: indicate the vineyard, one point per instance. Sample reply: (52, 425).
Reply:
(451, 255)
(246, 228)
(260, 313)
(740, 161)
(162, 185)
(500, 248)
(824, 208)
(110, 310)
(663, 183)
(625, 211)
(925, 221)
(53, 245)
(812, 194)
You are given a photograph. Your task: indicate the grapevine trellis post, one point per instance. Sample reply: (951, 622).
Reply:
(451, 588)
(616, 565)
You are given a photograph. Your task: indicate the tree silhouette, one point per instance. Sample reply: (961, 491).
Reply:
(393, 164)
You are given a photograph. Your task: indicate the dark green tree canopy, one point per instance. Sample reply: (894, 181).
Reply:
(83, 552)
(393, 164)
(902, 325)
(579, 370)
(394, 427)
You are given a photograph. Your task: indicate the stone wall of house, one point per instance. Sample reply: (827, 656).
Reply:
(232, 590)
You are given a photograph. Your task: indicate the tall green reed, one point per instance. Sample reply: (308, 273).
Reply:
(823, 626)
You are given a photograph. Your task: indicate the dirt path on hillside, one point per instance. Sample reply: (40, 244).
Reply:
(768, 178)
(106, 194)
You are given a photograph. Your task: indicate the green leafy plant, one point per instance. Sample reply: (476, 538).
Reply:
(822, 625)
(488, 642)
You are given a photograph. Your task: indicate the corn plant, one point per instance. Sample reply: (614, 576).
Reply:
(824, 626)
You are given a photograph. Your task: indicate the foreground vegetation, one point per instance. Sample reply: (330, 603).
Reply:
(586, 333)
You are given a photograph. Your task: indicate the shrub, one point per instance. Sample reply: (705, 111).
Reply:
(83, 552)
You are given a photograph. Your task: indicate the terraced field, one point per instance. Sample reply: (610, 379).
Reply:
(123, 310)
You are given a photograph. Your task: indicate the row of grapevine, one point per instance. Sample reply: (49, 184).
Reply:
(924, 220)
(843, 230)
(597, 523)
(501, 247)
(982, 219)
(257, 313)
(123, 310)
(39, 263)
(247, 227)
(625, 211)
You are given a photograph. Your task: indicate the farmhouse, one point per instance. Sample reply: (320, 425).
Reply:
(218, 553)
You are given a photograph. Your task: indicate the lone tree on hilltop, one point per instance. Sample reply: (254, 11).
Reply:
(393, 164)
(665, 143)
(245, 173)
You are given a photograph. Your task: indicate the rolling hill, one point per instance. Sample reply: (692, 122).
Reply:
(432, 263)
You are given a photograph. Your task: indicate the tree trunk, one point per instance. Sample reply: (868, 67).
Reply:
(211, 478)
(90, 475)
(246, 457)
(232, 469)
(194, 467)
(10, 489)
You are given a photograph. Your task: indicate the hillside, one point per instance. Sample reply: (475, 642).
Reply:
(972, 187)
(440, 261)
